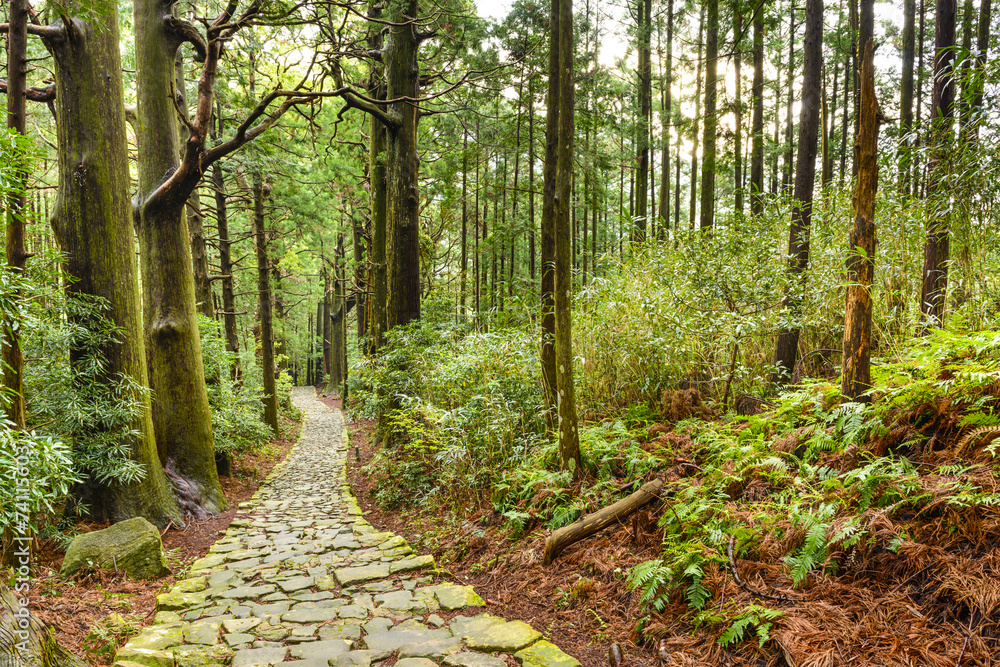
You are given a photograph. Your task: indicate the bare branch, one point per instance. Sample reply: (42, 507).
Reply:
(34, 94)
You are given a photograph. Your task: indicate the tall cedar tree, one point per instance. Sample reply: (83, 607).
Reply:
(16, 205)
(757, 128)
(644, 27)
(556, 219)
(856, 374)
(92, 219)
(787, 348)
(711, 87)
(937, 245)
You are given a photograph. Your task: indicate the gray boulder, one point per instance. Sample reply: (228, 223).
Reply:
(132, 546)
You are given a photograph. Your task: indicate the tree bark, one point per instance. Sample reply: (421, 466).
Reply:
(711, 85)
(181, 416)
(738, 120)
(937, 246)
(93, 222)
(643, 30)
(970, 132)
(16, 209)
(403, 233)
(547, 357)
(786, 178)
(692, 209)
(226, 269)
(267, 368)
(906, 95)
(757, 153)
(378, 196)
(856, 374)
(666, 120)
(195, 220)
(786, 350)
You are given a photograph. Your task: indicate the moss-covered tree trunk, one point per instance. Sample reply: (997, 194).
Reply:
(181, 415)
(16, 205)
(93, 222)
(378, 195)
(270, 398)
(403, 238)
(560, 107)
(856, 374)
(226, 271)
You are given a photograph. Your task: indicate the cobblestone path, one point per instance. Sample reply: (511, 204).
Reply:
(300, 577)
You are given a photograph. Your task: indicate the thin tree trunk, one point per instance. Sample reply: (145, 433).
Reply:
(738, 111)
(786, 351)
(666, 119)
(226, 269)
(757, 155)
(937, 247)
(16, 210)
(708, 162)
(531, 179)
(270, 398)
(786, 178)
(465, 225)
(906, 95)
(561, 119)
(856, 375)
(643, 30)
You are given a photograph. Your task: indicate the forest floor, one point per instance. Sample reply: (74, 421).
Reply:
(922, 587)
(570, 601)
(86, 606)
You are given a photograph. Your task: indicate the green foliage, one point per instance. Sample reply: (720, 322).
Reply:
(237, 411)
(36, 475)
(69, 393)
(752, 618)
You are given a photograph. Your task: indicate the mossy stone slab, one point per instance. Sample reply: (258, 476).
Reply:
(545, 654)
(132, 546)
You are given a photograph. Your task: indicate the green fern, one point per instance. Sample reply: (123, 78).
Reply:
(760, 619)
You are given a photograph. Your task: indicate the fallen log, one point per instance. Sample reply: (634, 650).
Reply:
(604, 517)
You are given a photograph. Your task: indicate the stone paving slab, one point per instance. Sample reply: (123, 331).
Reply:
(300, 577)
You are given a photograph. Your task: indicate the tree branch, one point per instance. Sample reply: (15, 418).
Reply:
(182, 31)
(43, 31)
(34, 94)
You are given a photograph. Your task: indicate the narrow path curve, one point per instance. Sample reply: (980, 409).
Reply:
(301, 577)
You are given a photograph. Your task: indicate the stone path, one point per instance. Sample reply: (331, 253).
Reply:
(301, 577)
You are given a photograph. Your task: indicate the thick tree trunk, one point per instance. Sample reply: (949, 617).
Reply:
(937, 246)
(856, 375)
(267, 368)
(93, 222)
(786, 350)
(16, 209)
(403, 233)
(757, 153)
(181, 416)
(711, 85)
